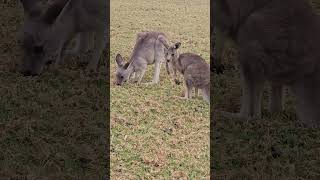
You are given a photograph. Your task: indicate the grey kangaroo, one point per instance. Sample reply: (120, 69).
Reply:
(149, 49)
(277, 41)
(47, 30)
(195, 70)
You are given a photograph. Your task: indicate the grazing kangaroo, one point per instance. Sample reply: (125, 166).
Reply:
(195, 70)
(278, 41)
(149, 49)
(47, 31)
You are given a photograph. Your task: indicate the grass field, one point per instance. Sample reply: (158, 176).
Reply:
(153, 134)
(53, 126)
(274, 147)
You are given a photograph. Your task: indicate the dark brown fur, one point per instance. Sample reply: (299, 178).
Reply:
(277, 41)
(47, 30)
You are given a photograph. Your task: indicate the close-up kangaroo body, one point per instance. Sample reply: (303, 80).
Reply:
(47, 30)
(277, 41)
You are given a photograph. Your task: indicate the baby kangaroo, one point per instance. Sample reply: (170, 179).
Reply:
(195, 70)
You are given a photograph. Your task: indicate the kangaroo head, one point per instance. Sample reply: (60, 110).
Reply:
(171, 52)
(170, 55)
(35, 36)
(123, 70)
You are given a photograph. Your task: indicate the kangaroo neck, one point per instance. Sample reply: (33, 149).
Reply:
(177, 62)
(136, 59)
(130, 68)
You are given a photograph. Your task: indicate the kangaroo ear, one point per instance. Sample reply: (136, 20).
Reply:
(54, 10)
(119, 60)
(31, 7)
(177, 45)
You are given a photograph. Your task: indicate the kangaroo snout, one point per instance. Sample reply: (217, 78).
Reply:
(118, 83)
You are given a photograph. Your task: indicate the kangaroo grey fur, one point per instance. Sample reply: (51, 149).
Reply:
(47, 31)
(149, 49)
(195, 70)
(277, 41)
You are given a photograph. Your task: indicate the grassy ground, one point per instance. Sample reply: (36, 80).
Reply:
(274, 147)
(153, 134)
(52, 126)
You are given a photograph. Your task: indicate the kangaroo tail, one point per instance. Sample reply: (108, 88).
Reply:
(163, 40)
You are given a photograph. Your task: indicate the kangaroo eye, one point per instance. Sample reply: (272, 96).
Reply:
(121, 77)
(172, 54)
